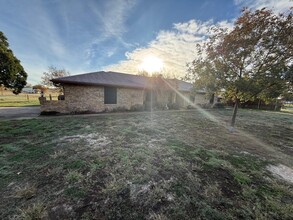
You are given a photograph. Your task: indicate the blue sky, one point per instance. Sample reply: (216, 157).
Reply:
(94, 35)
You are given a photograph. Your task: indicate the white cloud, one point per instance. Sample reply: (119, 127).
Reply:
(110, 53)
(194, 27)
(276, 5)
(55, 38)
(112, 16)
(176, 48)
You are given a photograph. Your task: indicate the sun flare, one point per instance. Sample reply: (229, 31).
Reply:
(151, 64)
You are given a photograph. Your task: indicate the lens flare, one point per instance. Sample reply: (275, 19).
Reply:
(151, 64)
(211, 117)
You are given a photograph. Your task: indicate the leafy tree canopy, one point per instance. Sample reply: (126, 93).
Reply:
(53, 73)
(253, 60)
(12, 74)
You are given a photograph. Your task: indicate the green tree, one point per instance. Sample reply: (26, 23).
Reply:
(12, 74)
(254, 60)
(53, 73)
(204, 76)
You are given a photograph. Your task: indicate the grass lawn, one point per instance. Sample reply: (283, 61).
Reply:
(8, 99)
(11, 100)
(164, 165)
(19, 103)
(287, 109)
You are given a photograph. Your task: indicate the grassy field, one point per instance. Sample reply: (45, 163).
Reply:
(164, 165)
(8, 99)
(287, 108)
(19, 100)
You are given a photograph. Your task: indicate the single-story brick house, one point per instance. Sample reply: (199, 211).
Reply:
(109, 91)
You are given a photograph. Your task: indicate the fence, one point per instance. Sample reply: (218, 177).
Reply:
(23, 99)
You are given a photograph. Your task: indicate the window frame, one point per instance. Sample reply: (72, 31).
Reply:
(110, 95)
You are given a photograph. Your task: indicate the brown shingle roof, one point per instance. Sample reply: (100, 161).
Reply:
(115, 79)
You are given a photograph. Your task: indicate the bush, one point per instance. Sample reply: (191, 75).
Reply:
(117, 109)
(161, 106)
(82, 112)
(61, 97)
(219, 105)
(206, 105)
(174, 106)
(49, 113)
(120, 109)
(137, 108)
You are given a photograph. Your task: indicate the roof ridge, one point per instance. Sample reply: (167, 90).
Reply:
(97, 72)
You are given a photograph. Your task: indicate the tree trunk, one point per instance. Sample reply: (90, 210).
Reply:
(258, 106)
(212, 98)
(276, 105)
(234, 112)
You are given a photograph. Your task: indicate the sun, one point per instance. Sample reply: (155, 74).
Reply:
(151, 64)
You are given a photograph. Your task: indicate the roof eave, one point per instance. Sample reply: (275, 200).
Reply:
(98, 84)
(105, 84)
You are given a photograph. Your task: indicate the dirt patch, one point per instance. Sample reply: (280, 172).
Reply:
(93, 140)
(282, 171)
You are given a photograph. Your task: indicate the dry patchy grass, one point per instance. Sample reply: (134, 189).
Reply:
(161, 165)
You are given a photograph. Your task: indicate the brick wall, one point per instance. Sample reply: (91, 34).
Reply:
(126, 98)
(200, 99)
(54, 106)
(80, 98)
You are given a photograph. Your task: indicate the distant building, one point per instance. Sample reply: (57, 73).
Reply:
(28, 90)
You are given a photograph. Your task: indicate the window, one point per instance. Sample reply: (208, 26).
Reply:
(110, 95)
